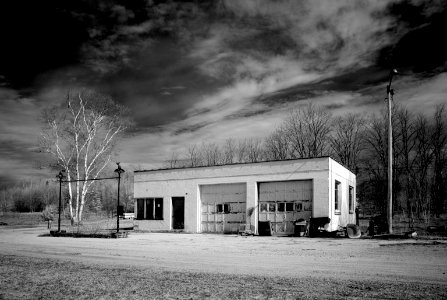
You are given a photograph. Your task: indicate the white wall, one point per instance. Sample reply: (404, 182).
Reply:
(346, 178)
(186, 182)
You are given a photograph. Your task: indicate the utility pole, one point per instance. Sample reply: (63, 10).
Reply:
(390, 93)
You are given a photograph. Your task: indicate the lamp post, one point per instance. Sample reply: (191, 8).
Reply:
(118, 170)
(390, 93)
(60, 176)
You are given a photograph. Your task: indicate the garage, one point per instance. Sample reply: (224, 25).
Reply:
(223, 207)
(284, 202)
(219, 199)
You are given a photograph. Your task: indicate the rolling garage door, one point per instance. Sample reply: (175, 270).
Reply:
(223, 207)
(284, 202)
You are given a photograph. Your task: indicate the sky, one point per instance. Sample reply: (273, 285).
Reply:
(205, 71)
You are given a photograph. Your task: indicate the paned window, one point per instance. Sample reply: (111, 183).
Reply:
(150, 209)
(223, 208)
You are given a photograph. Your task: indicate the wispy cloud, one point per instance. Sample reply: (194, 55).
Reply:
(297, 43)
(421, 95)
(19, 134)
(322, 35)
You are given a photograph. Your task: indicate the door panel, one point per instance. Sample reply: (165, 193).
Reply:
(223, 207)
(284, 202)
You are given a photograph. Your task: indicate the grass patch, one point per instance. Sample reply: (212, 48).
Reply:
(22, 219)
(39, 278)
(80, 234)
(97, 226)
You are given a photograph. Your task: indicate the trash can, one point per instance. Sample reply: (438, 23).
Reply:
(300, 228)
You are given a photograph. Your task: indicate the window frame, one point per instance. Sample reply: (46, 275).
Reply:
(337, 197)
(223, 208)
(281, 207)
(152, 208)
(351, 199)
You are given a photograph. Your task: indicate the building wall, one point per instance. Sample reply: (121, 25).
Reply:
(186, 183)
(346, 178)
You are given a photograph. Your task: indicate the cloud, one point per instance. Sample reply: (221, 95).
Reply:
(19, 132)
(268, 47)
(216, 127)
(326, 34)
(421, 95)
(120, 33)
(18, 117)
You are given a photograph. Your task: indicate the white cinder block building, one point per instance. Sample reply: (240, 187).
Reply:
(221, 198)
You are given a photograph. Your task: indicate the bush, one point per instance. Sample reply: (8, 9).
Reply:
(48, 213)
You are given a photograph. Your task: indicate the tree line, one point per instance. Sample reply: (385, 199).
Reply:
(359, 142)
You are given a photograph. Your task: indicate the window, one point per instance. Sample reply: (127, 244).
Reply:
(289, 206)
(281, 206)
(299, 206)
(337, 197)
(150, 209)
(263, 207)
(351, 199)
(223, 208)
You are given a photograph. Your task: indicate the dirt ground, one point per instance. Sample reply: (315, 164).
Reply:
(362, 259)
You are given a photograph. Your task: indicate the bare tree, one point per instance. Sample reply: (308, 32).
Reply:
(254, 150)
(439, 142)
(80, 137)
(173, 161)
(241, 151)
(308, 130)
(375, 161)
(277, 144)
(347, 140)
(194, 156)
(211, 154)
(405, 142)
(423, 159)
(229, 150)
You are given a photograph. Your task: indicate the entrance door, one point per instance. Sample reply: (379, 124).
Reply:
(178, 212)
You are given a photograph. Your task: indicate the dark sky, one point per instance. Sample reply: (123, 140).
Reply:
(208, 70)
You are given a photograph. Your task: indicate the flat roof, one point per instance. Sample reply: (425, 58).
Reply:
(235, 164)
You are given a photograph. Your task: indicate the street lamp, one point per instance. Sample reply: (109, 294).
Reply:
(118, 170)
(60, 176)
(390, 93)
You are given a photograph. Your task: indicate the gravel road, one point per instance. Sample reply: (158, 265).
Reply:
(401, 260)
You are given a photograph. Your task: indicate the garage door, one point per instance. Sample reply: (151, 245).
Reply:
(284, 202)
(223, 207)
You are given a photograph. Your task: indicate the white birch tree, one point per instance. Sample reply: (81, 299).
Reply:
(80, 137)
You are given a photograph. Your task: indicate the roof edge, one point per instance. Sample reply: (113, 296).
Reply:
(236, 164)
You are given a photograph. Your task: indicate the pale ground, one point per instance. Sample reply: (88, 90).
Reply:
(398, 260)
